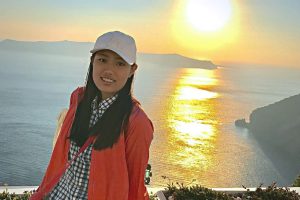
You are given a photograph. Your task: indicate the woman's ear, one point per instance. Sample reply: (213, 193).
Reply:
(133, 67)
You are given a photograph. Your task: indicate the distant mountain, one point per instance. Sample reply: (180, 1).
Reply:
(61, 47)
(277, 128)
(81, 49)
(177, 60)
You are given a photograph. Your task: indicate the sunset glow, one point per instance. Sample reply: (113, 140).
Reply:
(208, 15)
(188, 118)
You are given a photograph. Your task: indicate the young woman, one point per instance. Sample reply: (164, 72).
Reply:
(102, 149)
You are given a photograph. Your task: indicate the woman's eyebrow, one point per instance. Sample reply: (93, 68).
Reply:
(115, 56)
(102, 54)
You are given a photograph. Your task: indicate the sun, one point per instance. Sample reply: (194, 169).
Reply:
(208, 15)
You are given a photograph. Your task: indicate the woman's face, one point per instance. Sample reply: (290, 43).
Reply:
(110, 72)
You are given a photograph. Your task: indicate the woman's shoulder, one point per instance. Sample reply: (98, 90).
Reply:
(76, 94)
(140, 125)
(137, 110)
(78, 90)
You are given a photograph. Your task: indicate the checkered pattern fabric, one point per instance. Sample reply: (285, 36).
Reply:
(74, 183)
(99, 109)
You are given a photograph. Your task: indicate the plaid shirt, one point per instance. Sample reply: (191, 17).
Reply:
(74, 183)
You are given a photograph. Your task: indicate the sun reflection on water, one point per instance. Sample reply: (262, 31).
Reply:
(191, 117)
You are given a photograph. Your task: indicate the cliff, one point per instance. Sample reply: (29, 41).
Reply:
(277, 129)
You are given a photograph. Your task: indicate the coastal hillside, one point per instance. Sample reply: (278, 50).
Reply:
(43, 47)
(277, 128)
(81, 49)
(176, 60)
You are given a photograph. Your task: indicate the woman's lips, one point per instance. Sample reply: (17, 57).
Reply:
(107, 80)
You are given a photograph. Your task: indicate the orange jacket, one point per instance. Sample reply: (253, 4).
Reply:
(116, 173)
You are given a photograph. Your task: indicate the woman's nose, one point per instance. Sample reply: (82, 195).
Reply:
(108, 66)
(108, 70)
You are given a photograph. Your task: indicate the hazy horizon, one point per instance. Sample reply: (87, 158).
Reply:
(229, 63)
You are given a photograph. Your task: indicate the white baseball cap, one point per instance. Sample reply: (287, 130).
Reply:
(121, 43)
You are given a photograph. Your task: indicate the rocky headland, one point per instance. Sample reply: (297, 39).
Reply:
(277, 129)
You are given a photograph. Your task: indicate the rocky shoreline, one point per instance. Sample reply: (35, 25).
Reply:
(277, 129)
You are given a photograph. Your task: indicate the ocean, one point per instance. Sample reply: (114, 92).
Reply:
(193, 111)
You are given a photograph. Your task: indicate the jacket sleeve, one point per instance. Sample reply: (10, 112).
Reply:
(138, 140)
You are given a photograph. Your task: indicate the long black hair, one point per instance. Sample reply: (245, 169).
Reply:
(115, 118)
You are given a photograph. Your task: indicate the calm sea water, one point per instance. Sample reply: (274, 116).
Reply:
(193, 111)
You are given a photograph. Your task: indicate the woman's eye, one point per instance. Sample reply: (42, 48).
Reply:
(101, 59)
(121, 64)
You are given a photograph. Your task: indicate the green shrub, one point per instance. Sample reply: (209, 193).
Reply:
(7, 196)
(272, 192)
(196, 192)
(297, 182)
(181, 192)
(152, 197)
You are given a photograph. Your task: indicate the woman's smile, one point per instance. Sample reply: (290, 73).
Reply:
(107, 80)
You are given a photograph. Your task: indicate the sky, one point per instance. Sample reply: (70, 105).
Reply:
(224, 31)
